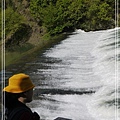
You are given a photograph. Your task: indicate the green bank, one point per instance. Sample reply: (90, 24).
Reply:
(28, 51)
(31, 26)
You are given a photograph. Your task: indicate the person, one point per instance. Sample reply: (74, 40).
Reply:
(15, 96)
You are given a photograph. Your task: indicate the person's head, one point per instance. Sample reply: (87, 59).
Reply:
(20, 87)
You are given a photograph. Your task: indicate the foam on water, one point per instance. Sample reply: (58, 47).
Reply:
(104, 104)
(65, 106)
(85, 61)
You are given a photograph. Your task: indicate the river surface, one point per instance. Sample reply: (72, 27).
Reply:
(77, 78)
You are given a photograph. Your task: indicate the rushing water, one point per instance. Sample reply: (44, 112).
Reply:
(78, 78)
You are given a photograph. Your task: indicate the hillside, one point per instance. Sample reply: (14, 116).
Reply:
(32, 25)
(24, 36)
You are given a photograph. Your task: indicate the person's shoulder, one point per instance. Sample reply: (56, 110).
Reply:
(20, 113)
(25, 115)
(29, 115)
(22, 108)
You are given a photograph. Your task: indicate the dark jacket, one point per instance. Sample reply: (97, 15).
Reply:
(20, 112)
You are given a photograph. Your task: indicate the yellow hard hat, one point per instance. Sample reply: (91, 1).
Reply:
(19, 83)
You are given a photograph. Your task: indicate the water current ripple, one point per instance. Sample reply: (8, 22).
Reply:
(62, 91)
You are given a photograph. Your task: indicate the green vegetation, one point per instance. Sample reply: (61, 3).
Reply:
(66, 15)
(59, 16)
(13, 21)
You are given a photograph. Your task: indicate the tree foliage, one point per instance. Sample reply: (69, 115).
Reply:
(98, 15)
(13, 21)
(66, 15)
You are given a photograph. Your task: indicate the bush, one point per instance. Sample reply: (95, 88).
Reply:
(13, 21)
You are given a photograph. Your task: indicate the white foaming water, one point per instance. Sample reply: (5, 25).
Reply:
(65, 106)
(104, 104)
(85, 61)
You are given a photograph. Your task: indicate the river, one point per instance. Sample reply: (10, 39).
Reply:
(77, 77)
